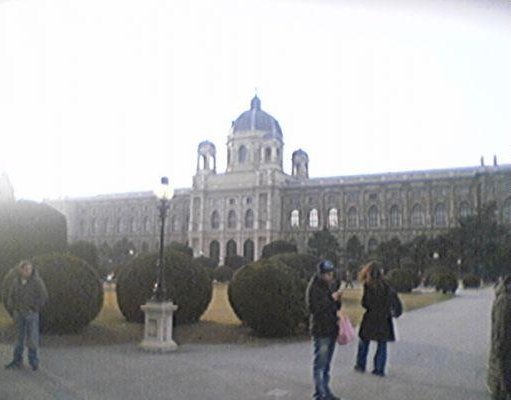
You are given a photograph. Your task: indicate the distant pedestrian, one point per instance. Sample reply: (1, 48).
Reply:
(499, 373)
(349, 279)
(381, 304)
(25, 298)
(323, 304)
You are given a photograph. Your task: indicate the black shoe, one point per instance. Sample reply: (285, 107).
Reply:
(378, 373)
(332, 397)
(13, 365)
(359, 369)
(34, 367)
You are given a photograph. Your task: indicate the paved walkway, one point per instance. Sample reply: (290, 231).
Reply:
(441, 355)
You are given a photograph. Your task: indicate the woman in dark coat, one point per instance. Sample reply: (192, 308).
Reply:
(499, 373)
(381, 304)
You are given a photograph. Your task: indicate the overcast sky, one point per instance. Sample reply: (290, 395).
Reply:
(102, 96)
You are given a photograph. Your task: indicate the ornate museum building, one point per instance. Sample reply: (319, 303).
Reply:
(254, 201)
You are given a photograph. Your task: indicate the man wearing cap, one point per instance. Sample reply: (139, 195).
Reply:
(323, 304)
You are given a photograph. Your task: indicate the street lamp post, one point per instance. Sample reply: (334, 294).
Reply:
(159, 310)
(164, 195)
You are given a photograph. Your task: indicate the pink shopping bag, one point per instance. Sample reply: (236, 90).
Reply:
(346, 331)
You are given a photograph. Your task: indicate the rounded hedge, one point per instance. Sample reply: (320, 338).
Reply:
(223, 273)
(446, 282)
(471, 282)
(207, 262)
(29, 229)
(235, 262)
(187, 283)
(75, 292)
(269, 297)
(89, 252)
(402, 280)
(278, 247)
(305, 265)
(431, 274)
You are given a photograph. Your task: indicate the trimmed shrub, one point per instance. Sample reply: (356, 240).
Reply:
(207, 262)
(431, 274)
(471, 282)
(278, 247)
(187, 285)
(29, 229)
(87, 251)
(269, 297)
(235, 262)
(446, 282)
(183, 248)
(304, 265)
(223, 273)
(75, 292)
(402, 280)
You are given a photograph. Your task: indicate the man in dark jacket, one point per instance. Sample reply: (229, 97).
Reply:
(25, 298)
(323, 304)
(499, 374)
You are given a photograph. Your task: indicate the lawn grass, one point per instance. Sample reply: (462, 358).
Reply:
(411, 301)
(219, 323)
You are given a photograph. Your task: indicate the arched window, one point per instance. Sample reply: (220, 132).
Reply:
(145, 224)
(231, 219)
(248, 250)
(249, 219)
(352, 217)
(145, 247)
(242, 154)
(131, 225)
(215, 220)
(214, 250)
(506, 211)
(231, 248)
(395, 216)
(93, 226)
(333, 218)
(373, 216)
(267, 154)
(313, 218)
(440, 215)
(104, 227)
(465, 210)
(82, 227)
(118, 225)
(372, 245)
(295, 219)
(417, 216)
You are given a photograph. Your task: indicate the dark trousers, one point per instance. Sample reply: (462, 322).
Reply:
(27, 330)
(323, 352)
(380, 358)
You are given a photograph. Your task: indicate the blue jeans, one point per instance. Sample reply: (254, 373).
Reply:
(27, 330)
(323, 352)
(380, 358)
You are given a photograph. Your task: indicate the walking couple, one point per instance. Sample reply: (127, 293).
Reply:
(381, 304)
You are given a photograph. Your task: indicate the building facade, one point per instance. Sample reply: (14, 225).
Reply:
(255, 201)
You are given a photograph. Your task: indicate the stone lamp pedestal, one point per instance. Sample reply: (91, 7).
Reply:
(158, 327)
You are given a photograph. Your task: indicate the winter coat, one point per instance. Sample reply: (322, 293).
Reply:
(380, 302)
(322, 308)
(28, 297)
(499, 373)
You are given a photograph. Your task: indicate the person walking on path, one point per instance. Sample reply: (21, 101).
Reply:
(381, 304)
(25, 298)
(323, 304)
(499, 373)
